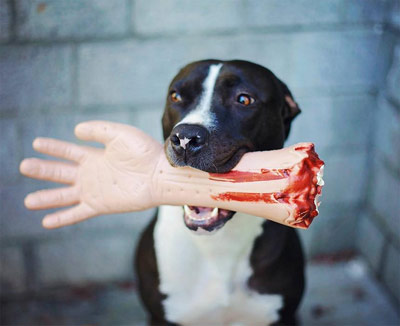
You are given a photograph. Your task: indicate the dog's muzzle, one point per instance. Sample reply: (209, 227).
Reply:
(188, 140)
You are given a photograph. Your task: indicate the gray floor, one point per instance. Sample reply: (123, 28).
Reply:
(337, 294)
(346, 294)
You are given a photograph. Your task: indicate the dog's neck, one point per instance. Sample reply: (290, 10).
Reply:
(223, 246)
(214, 267)
(237, 233)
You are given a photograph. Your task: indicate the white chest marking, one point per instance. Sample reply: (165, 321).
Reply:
(202, 114)
(205, 276)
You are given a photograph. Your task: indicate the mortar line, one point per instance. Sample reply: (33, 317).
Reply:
(382, 260)
(380, 223)
(394, 103)
(75, 100)
(128, 18)
(370, 157)
(12, 25)
(268, 30)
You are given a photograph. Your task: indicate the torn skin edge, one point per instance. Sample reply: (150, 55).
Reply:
(302, 193)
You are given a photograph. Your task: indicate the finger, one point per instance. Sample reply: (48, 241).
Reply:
(49, 170)
(52, 198)
(99, 131)
(59, 148)
(69, 216)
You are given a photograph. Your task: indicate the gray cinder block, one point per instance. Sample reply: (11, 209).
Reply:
(345, 61)
(329, 121)
(395, 14)
(152, 17)
(309, 12)
(148, 119)
(385, 190)
(34, 77)
(128, 72)
(286, 12)
(345, 177)
(85, 259)
(10, 151)
(370, 241)
(365, 11)
(391, 271)
(387, 133)
(12, 270)
(393, 78)
(17, 223)
(333, 230)
(4, 21)
(64, 19)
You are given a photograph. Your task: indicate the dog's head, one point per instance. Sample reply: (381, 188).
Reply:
(215, 112)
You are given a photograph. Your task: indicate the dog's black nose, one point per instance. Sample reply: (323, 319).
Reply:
(188, 138)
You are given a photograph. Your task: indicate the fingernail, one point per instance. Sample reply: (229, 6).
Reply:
(47, 223)
(29, 201)
(23, 166)
(38, 143)
(81, 126)
(29, 166)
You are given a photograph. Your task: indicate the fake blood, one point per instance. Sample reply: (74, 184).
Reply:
(247, 196)
(300, 192)
(242, 176)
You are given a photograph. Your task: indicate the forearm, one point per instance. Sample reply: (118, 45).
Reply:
(279, 185)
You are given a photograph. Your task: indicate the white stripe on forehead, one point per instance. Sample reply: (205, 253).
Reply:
(201, 114)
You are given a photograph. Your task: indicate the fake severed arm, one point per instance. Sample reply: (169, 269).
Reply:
(132, 173)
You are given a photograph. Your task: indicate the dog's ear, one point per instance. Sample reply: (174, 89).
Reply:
(290, 108)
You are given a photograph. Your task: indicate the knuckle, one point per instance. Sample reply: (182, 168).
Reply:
(60, 196)
(67, 151)
(59, 173)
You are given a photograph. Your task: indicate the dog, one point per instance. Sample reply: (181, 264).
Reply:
(209, 266)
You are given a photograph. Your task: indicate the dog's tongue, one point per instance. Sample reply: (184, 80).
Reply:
(206, 218)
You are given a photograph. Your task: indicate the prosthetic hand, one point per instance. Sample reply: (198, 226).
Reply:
(132, 173)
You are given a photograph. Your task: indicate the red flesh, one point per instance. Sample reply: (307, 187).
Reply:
(242, 176)
(300, 192)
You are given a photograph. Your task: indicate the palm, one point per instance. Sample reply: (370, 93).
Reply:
(114, 179)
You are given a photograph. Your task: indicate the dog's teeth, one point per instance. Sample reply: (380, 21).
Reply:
(190, 213)
(187, 210)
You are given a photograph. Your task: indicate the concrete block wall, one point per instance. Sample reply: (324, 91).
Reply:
(379, 234)
(63, 62)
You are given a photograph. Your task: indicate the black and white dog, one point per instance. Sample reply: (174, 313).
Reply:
(245, 270)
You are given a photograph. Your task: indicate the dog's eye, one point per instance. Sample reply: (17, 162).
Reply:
(175, 97)
(245, 99)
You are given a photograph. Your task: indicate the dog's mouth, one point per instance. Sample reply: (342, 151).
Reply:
(206, 218)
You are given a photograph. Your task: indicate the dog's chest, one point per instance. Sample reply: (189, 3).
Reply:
(205, 276)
